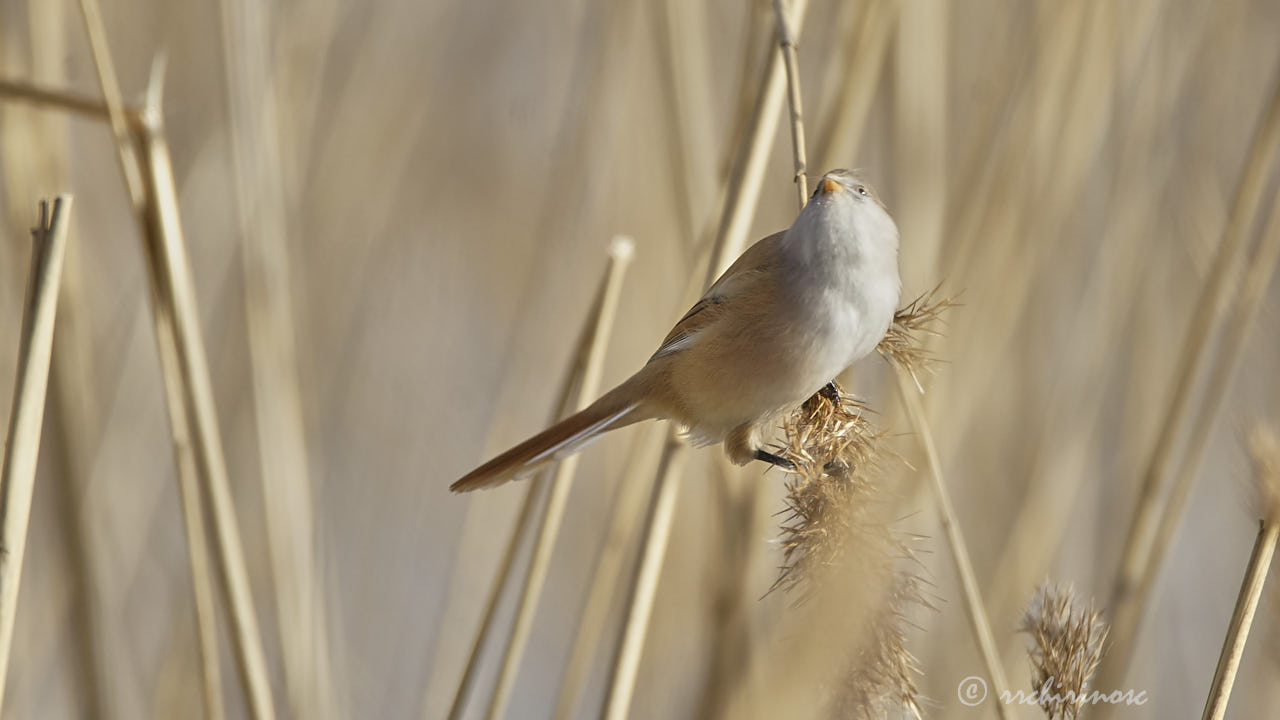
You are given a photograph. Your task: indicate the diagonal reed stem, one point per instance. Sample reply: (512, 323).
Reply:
(1255, 578)
(26, 417)
(978, 619)
(620, 253)
(171, 273)
(154, 203)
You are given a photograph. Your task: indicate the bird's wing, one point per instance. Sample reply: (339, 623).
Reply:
(748, 269)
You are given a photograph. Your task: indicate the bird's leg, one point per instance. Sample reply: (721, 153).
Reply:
(772, 459)
(831, 392)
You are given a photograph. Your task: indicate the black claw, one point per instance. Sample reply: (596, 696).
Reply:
(772, 459)
(836, 467)
(831, 392)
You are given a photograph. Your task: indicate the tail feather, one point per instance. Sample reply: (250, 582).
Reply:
(555, 443)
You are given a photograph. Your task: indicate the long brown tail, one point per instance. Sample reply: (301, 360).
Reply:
(555, 443)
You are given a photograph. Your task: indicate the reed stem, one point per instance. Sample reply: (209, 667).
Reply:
(1255, 578)
(26, 416)
(620, 254)
(979, 621)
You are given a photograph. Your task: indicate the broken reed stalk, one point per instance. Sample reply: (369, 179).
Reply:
(171, 271)
(178, 338)
(153, 197)
(26, 417)
(787, 44)
(745, 182)
(979, 622)
(1125, 607)
(1067, 644)
(1252, 291)
(1266, 454)
(620, 254)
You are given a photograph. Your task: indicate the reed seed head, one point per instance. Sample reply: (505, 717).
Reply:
(1067, 642)
(840, 548)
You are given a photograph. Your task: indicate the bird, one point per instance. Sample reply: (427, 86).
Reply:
(795, 310)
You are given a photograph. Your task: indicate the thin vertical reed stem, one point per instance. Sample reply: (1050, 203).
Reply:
(644, 585)
(620, 254)
(977, 611)
(26, 417)
(787, 43)
(1255, 578)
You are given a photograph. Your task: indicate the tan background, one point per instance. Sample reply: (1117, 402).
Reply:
(452, 172)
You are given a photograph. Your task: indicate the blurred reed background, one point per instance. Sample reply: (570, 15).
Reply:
(398, 215)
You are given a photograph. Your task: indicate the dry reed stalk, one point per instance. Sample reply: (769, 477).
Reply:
(292, 530)
(644, 584)
(193, 524)
(979, 621)
(741, 195)
(563, 408)
(171, 276)
(903, 347)
(184, 463)
(1067, 644)
(35, 156)
(747, 177)
(153, 198)
(620, 254)
(1266, 458)
(787, 44)
(26, 418)
(1154, 524)
(603, 583)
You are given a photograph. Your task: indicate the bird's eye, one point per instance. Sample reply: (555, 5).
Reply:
(862, 190)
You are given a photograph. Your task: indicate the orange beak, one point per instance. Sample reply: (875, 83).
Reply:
(828, 186)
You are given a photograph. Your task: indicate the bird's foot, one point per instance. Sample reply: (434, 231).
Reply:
(831, 392)
(772, 459)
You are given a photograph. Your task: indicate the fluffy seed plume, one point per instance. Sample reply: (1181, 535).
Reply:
(1067, 642)
(840, 549)
(902, 344)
